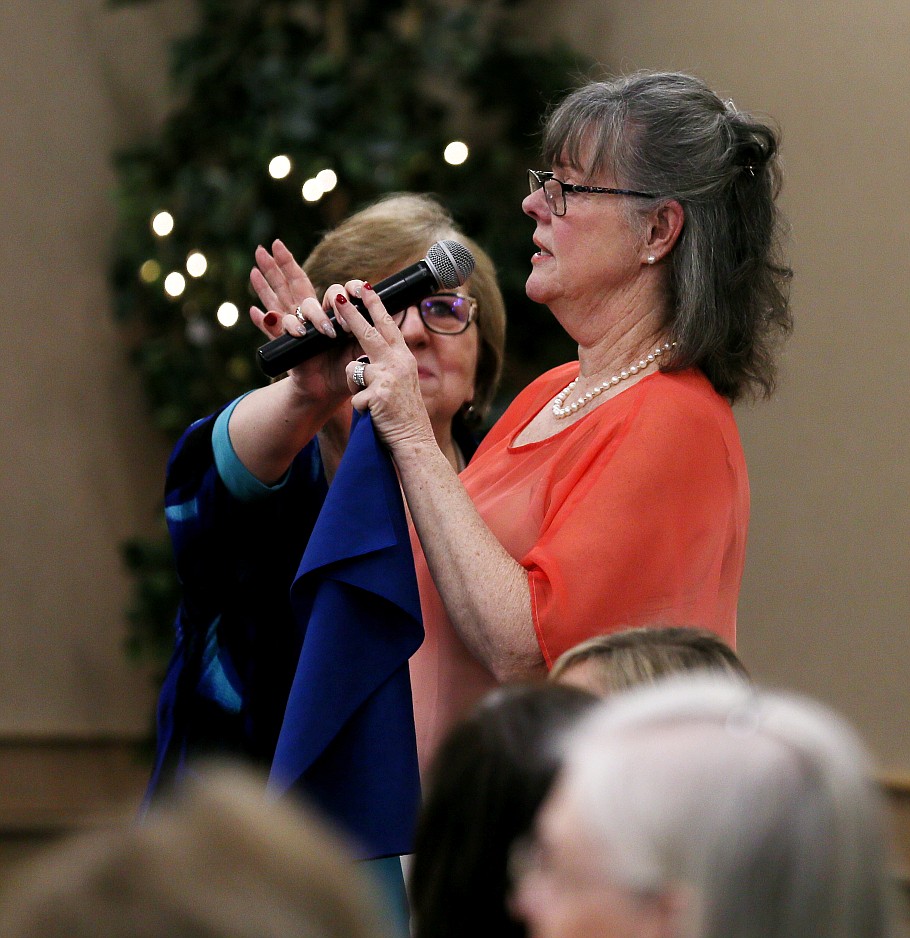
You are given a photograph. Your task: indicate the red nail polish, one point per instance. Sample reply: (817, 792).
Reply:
(269, 319)
(341, 299)
(366, 285)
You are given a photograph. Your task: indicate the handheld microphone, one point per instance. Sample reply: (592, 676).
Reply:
(447, 265)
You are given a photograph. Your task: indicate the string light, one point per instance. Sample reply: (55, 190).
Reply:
(327, 179)
(174, 283)
(196, 264)
(312, 191)
(456, 153)
(279, 167)
(324, 181)
(163, 224)
(228, 314)
(150, 271)
(198, 331)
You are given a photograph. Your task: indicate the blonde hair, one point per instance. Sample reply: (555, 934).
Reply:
(395, 231)
(220, 861)
(640, 656)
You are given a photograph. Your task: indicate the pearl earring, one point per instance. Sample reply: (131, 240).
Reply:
(651, 258)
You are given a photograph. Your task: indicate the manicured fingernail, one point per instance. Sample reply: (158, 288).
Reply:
(270, 319)
(366, 285)
(329, 329)
(341, 299)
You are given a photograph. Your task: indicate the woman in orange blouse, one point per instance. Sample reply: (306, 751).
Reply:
(613, 492)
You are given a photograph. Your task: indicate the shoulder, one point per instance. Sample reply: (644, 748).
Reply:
(686, 396)
(681, 415)
(193, 453)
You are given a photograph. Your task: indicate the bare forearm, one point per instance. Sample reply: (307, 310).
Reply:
(484, 589)
(271, 425)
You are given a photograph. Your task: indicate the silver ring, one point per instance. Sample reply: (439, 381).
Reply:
(300, 316)
(357, 374)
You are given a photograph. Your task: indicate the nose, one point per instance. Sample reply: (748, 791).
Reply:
(535, 205)
(412, 328)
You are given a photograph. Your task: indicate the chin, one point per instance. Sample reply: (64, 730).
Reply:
(536, 291)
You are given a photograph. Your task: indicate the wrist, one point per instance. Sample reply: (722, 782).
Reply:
(417, 450)
(305, 402)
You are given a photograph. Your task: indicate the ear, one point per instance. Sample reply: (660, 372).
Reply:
(662, 228)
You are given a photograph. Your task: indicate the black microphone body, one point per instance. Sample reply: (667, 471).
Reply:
(447, 265)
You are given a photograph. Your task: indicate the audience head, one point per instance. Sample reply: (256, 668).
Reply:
(485, 785)
(218, 862)
(396, 231)
(668, 135)
(606, 664)
(701, 807)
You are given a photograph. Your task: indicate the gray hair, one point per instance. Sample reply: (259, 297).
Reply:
(760, 806)
(668, 133)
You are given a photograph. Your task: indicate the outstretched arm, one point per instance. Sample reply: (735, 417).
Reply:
(272, 424)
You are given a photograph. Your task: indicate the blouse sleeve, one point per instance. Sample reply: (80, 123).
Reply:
(223, 522)
(646, 526)
(236, 546)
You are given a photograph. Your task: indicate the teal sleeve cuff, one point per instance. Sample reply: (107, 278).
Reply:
(240, 482)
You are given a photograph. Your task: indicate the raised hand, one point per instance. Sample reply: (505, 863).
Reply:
(388, 386)
(284, 288)
(289, 300)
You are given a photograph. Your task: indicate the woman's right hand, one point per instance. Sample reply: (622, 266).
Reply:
(283, 287)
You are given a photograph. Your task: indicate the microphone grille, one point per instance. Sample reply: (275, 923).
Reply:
(452, 263)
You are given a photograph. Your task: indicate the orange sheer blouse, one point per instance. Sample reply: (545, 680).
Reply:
(636, 514)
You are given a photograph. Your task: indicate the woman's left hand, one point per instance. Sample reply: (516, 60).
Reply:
(495, 623)
(392, 391)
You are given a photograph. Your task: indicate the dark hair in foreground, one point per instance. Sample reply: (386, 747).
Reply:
(218, 861)
(668, 133)
(486, 783)
(625, 659)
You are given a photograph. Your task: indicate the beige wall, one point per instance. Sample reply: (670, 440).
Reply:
(825, 606)
(826, 601)
(82, 468)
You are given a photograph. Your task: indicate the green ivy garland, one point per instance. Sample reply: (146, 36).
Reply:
(373, 92)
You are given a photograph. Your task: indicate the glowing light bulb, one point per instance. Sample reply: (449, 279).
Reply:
(456, 153)
(196, 264)
(228, 314)
(279, 167)
(174, 283)
(163, 224)
(150, 271)
(312, 190)
(327, 179)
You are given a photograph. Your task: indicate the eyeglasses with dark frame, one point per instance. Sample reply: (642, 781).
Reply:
(443, 313)
(555, 190)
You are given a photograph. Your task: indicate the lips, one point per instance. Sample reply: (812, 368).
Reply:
(542, 251)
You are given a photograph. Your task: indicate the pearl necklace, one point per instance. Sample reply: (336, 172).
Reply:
(559, 411)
